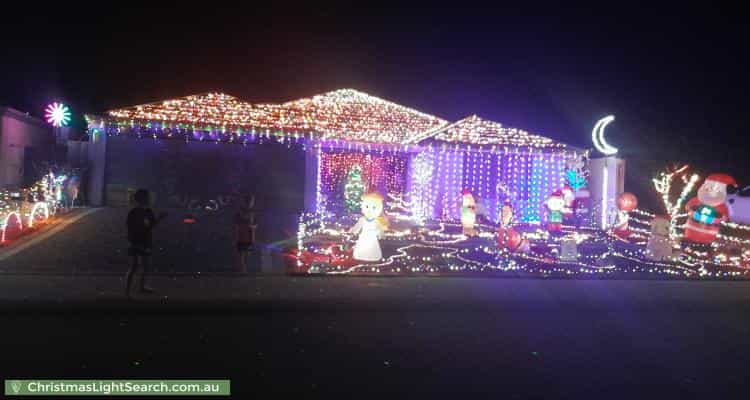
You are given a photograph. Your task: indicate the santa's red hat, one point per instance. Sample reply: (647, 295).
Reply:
(722, 178)
(466, 192)
(557, 193)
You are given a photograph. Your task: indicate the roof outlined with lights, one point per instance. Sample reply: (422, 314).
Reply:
(477, 131)
(345, 114)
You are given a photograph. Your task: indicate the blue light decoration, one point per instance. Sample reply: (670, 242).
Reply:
(706, 214)
(575, 179)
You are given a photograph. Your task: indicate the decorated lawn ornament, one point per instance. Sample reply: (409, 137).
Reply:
(370, 228)
(568, 249)
(659, 246)
(468, 213)
(739, 206)
(354, 189)
(569, 199)
(507, 237)
(71, 189)
(708, 210)
(582, 206)
(626, 202)
(556, 204)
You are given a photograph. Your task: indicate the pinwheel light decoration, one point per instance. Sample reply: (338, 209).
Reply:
(58, 114)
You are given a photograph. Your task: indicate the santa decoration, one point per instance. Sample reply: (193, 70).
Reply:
(468, 213)
(708, 209)
(556, 205)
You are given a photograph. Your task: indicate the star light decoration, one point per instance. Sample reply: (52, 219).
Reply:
(57, 114)
(342, 114)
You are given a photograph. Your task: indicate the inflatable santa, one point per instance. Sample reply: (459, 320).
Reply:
(556, 206)
(707, 210)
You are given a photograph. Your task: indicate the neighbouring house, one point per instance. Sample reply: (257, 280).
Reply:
(301, 154)
(24, 140)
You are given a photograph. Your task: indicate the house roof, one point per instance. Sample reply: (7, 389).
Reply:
(344, 114)
(477, 131)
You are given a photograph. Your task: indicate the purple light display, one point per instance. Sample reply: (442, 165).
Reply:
(521, 178)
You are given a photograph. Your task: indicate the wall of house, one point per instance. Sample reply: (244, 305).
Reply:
(174, 169)
(24, 140)
(177, 172)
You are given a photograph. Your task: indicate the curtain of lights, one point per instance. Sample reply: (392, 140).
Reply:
(524, 180)
(383, 172)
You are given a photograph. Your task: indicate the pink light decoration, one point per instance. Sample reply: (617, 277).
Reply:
(57, 114)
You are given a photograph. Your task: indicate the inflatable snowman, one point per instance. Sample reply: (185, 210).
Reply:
(468, 213)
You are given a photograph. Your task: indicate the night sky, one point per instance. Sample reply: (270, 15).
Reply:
(675, 78)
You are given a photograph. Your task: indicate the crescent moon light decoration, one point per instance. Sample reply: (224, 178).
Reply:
(597, 136)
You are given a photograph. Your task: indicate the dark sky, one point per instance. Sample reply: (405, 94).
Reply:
(675, 78)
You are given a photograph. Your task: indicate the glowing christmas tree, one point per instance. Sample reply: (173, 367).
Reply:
(354, 189)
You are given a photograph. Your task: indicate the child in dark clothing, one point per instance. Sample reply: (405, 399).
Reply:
(141, 221)
(244, 233)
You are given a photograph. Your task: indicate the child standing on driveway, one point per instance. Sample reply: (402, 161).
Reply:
(244, 233)
(141, 221)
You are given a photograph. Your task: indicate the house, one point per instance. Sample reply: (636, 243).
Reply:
(24, 140)
(300, 154)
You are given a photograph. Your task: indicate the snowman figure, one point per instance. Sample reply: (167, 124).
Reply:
(708, 209)
(569, 199)
(659, 246)
(468, 213)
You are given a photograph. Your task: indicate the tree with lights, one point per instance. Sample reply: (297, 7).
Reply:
(354, 189)
(663, 186)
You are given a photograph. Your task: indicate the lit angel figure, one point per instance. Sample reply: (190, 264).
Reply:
(370, 228)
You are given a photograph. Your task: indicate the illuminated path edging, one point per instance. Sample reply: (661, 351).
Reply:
(36, 239)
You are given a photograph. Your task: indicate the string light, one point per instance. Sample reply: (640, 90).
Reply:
(443, 249)
(24, 207)
(341, 114)
(481, 132)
